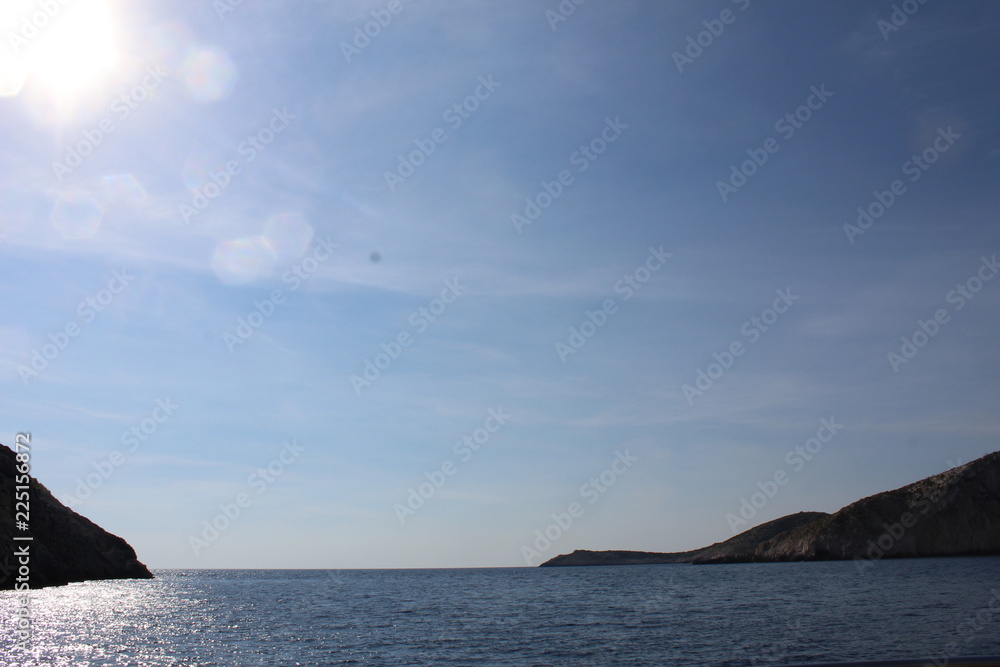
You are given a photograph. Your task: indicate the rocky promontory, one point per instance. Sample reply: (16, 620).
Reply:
(954, 513)
(738, 543)
(65, 546)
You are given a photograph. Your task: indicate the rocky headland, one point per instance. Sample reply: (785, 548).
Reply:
(954, 513)
(65, 546)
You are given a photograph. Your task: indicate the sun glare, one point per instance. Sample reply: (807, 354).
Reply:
(63, 47)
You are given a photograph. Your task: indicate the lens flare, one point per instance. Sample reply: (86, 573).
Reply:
(289, 234)
(122, 190)
(77, 215)
(209, 74)
(243, 261)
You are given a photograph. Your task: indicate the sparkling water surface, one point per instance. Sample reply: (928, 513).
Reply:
(764, 614)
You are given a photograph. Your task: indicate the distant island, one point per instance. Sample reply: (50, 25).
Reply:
(954, 513)
(65, 547)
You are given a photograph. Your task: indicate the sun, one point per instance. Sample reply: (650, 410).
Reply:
(62, 46)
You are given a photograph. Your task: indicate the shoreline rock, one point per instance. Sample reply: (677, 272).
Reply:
(954, 513)
(66, 547)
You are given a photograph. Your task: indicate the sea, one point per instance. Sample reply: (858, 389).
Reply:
(724, 615)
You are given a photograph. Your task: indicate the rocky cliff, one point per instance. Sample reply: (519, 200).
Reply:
(65, 546)
(737, 544)
(955, 513)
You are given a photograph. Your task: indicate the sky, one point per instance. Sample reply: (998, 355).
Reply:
(391, 284)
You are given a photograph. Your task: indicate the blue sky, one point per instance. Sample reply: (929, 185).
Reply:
(236, 169)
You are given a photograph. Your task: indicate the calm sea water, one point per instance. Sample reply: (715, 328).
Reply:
(637, 615)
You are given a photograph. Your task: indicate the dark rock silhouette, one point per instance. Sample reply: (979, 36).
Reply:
(954, 513)
(65, 547)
